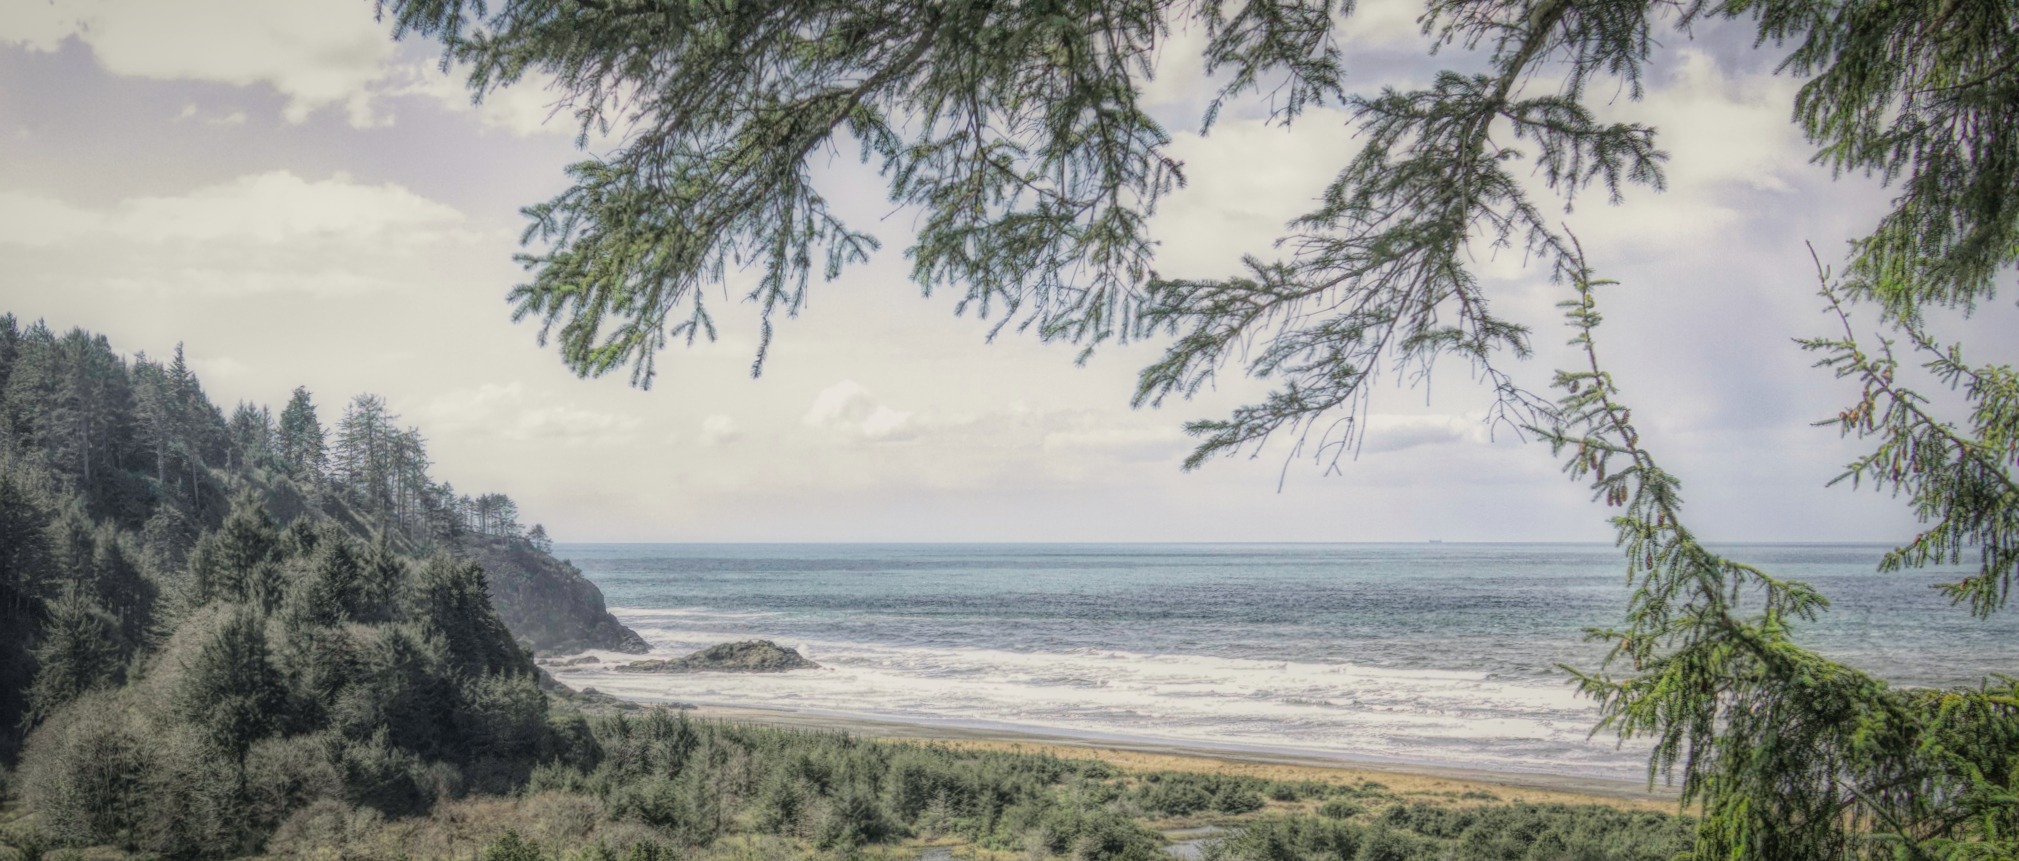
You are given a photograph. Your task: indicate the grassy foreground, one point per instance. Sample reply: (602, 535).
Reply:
(656, 785)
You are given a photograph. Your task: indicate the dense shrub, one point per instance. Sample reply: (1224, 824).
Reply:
(1184, 794)
(305, 667)
(512, 847)
(85, 769)
(853, 818)
(1426, 832)
(1341, 808)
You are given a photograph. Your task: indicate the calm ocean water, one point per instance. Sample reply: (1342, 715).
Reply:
(1432, 653)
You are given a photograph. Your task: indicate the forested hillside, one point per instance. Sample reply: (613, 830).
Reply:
(134, 511)
(240, 636)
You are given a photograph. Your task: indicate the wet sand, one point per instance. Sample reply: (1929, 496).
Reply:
(1409, 780)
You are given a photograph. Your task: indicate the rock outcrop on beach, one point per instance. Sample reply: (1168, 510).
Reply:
(749, 656)
(546, 602)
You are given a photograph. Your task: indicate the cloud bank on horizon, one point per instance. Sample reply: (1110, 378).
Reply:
(305, 202)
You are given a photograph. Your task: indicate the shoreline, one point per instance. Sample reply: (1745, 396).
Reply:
(1407, 778)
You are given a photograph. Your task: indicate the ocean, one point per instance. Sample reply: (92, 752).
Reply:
(1439, 654)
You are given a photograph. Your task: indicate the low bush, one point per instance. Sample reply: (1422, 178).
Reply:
(1341, 808)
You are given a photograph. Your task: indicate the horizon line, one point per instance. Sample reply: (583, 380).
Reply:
(1415, 542)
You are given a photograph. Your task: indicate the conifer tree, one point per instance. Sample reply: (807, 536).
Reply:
(1795, 756)
(301, 436)
(367, 456)
(240, 561)
(253, 435)
(452, 602)
(231, 689)
(1018, 134)
(27, 568)
(10, 346)
(79, 652)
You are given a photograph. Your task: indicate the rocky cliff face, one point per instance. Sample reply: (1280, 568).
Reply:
(546, 602)
(749, 656)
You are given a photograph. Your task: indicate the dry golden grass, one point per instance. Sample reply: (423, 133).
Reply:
(1406, 785)
(1406, 782)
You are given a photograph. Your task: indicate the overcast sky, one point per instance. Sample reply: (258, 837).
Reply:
(304, 202)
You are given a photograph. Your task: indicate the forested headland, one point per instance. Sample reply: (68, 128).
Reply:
(141, 528)
(247, 634)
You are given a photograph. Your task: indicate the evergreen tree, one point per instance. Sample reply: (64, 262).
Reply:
(10, 346)
(70, 401)
(79, 652)
(231, 690)
(27, 569)
(26, 557)
(300, 436)
(1017, 131)
(451, 600)
(253, 435)
(91, 557)
(241, 561)
(367, 457)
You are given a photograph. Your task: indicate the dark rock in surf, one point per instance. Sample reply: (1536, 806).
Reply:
(749, 656)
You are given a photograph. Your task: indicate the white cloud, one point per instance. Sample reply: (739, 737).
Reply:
(281, 207)
(846, 408)
(316, 53)
(1247, 179)
(1384, 24)
(719, 430)
(37, 220)
(215, 368)
(269, 209)
(529, 107)
(1724, 129)
(1107, 439)
(510, 412)
(1386, 432)
(253, 280)
(266, 233)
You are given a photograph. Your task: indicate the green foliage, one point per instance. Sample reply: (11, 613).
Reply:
(451, 601)
(79, 652)
(1017, 132)
(662, 786)
(231, 689)
(1959, 480)
(1177, 793)
(240, 562)
(1423, 832)
(86, 769)
(512, 847)
(299, 437)
(378, 682)
(1792, 755)
(1341, 808)
(189, 673)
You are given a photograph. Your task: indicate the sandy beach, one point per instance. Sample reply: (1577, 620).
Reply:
(1426, 782)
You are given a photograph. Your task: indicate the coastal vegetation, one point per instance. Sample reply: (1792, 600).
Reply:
(222, 646)
(198, 606)
(1018, 136)
(657, 785)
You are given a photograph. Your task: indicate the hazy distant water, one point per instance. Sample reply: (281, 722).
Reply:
(1441, 653)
